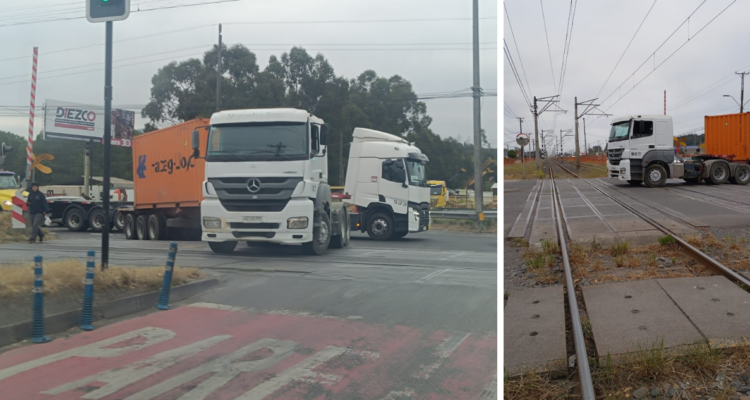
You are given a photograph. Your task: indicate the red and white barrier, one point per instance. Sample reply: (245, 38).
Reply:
(19, 206)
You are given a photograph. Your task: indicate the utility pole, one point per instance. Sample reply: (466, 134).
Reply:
(86, 168)
(218, 75)
(585, 145)
(107, 142)
(742, 89)
(589, 107)
(549, 101)
(476, 89)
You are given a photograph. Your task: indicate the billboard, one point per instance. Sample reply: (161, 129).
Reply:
(66, 120)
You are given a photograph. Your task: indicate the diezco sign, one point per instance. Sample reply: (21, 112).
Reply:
(66, 120)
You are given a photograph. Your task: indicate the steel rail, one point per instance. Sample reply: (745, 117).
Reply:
(584, 371)
(696, 253)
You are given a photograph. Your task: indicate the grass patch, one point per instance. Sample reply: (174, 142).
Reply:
(734, 243)
(514, 172)
(464, 225)
(648, 363)
(59, 276)
(10, 235)
(535, 386)
(667, 240)
(619, 248)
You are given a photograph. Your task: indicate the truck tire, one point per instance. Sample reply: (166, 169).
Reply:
(380, 227)
(118, 221)
(157, 227)
(129, 228)
(655, 176)
(342, 240)
(321, 237)
(141, 227)
(741, 175)
(635, 182)
(96, 220)
(719, 173)
(222, 247)
(75, 220)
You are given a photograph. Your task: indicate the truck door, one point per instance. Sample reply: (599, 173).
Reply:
(391, 184)
(642, 138)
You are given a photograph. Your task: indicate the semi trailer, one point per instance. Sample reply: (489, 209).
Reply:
(255, 176)
(641, 150)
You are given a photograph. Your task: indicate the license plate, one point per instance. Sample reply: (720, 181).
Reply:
(252, 219)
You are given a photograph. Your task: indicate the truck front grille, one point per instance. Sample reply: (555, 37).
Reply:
(254, 205)
(614, 156)
(253, 225)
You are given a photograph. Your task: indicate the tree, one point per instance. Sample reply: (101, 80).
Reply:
(511, 154)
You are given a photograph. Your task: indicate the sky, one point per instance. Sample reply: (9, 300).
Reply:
(696, 65)
(435, 56)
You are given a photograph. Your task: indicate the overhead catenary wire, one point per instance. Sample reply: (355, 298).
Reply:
(627, 47)
(566, 48)
(518, 51)
(509, 58)
(549, 52)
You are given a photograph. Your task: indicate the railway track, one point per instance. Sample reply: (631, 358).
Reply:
(584, 371)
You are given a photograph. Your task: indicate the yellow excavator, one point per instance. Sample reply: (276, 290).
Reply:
(485, 170)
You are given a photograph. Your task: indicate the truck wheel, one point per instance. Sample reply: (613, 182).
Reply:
(742, 175)
(719, 173)
(321, 237)
(75, 220)
(157, 227)
(96, 220)
(656, 176)
(129, 228)
(635, 182)
(222, 247)
(118, 221)
(141, 227)
(342, 240)
(380, 227)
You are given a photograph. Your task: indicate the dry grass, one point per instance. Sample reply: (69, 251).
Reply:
(463, 225)
(9, 235)
(703, 371)
(541, 261)
(535, 386)
(514, 172)
(60, 276)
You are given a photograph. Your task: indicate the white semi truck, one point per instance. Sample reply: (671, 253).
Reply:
(386, 183)
(641, 150)
(266, 180)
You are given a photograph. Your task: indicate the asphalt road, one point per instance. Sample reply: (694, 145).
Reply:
(415, 318)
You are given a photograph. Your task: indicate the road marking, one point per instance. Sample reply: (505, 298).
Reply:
(489, 392)
(117, 378)
(133, 341)
(457, 255)
(224, 369)
(303, 370)
(432, 275)
(400, 394)
(443, 351)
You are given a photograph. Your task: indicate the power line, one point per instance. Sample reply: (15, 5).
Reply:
(518, 51)
(568, 39)
(363, 21)
(627, 47)
(515, 73)
(549, 52)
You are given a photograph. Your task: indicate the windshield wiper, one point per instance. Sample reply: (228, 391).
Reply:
(270, 152)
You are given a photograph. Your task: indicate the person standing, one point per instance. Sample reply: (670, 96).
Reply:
(38, 209)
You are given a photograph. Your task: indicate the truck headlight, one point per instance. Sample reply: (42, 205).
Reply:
(7, 203)
(296, 223)
(211, 223)
(622, 170)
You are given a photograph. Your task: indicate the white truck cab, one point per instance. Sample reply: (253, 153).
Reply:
(266, 180)
(386, 182)
(641, 150)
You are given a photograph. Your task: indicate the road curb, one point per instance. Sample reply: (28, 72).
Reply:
(10, 334)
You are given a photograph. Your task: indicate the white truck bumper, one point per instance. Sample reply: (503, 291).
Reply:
(269, 227)
(620, 172)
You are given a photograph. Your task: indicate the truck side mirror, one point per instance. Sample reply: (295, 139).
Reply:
(196, 143)
(324, 135)
(315, 139)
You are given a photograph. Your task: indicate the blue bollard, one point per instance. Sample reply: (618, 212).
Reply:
(37, 330)
(87, 316)
(167, 285)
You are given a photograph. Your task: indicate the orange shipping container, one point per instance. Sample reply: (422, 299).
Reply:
(728, 135)
(165, 173)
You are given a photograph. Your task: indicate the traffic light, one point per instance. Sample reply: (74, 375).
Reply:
(107, 10)
(88, 146)
(4, 149)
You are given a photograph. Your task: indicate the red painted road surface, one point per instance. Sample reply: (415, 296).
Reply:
(216, 352)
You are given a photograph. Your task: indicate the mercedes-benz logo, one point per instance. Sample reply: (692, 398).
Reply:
(253, 185)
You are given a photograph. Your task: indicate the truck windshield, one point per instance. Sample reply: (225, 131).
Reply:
(415, 171)
(619, 131)
(276, 141)
(436, 190)
(8, 182)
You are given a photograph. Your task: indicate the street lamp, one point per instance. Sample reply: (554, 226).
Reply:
(735, 100)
